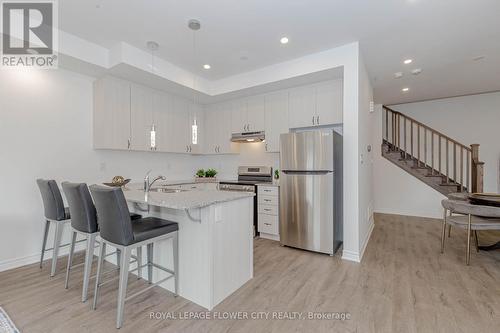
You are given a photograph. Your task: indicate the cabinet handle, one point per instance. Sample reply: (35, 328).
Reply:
(317, 120)
(267, 209)
(313, 120)
(266, 146)
(128, 143)
(267, 200)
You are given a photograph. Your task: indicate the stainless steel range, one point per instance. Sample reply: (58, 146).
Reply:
(248, 178)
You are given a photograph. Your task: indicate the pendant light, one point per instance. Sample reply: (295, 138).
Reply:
(194, 25)
(152, 46)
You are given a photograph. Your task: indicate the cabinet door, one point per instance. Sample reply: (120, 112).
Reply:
(302, 108)
(329, 100)
(238, 118)
(162, 118)
(180, 126)
(256, 114)
(223, 116)
(111, 113)
(211, 130)
(196, 125)
(141, 117)
(276, 115)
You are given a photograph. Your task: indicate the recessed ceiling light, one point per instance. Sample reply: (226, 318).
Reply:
(405, 89)
(408, 61)
(398, 75)
(206, 66)
(284, 40)
(416, 71)
(481, 57)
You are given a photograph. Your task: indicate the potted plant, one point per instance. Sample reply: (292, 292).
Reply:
(200, 173)
(210, 173)
(206, 176)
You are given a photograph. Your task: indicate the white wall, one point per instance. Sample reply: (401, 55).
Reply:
(468, 119)
(365, 120)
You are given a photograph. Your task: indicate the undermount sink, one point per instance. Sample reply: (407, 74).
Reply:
(166, 190)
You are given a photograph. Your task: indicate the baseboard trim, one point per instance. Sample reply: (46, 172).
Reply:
(350, 256)
(34, 258)
(367, 237)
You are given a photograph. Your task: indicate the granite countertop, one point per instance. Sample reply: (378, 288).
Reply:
(184, 199)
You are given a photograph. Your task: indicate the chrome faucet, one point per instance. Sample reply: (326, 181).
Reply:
(148, 184)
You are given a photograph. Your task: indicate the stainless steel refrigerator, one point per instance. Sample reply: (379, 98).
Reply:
(311, 190)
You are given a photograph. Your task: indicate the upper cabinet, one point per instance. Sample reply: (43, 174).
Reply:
(276, 106)
(248, 114)
(316, 105)
(111, 114)
(217, 135)
(134, 117)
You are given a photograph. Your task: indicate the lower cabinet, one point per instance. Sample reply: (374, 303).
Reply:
(268, 211)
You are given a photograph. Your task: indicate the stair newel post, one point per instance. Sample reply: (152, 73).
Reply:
(447, 161)
(467, 170)
(477, 169)
(418, 145)
(432, 153)
(411, 138)
(404, 139)
(454, 162)
(386, 124)
(461, 169)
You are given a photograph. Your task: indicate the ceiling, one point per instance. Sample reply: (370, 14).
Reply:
(442, 37)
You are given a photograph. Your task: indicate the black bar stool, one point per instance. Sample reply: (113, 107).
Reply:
(83, 222)
(56, 213)
(117, 230)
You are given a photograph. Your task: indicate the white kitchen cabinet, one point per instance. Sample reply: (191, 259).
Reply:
(268, 211)
(111, 114)
(316, 105)
(162, 118)
(329, 100)
(247, 114)
(256, 114)
(276, 115)
(196, 134)
(141, 115)
(179, 126)
(218, 129)
(302, 107)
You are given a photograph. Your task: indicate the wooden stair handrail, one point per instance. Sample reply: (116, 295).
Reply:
(428, 128)
(474, 168)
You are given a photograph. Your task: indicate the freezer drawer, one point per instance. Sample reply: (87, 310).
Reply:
(307, 211)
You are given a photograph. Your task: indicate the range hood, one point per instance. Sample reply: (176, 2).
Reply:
(248, 137)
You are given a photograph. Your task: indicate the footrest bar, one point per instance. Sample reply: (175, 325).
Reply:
(147, 288)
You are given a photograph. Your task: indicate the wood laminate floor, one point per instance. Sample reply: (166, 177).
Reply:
(403, 285)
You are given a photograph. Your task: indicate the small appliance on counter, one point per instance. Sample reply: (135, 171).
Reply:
(248, 178)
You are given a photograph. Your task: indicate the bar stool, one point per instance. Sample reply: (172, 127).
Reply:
(56, 213)
(83, 222)
(117, 230)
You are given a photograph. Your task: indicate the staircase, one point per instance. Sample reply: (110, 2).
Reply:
(434, 158)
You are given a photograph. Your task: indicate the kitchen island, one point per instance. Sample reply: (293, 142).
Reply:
(215, 239)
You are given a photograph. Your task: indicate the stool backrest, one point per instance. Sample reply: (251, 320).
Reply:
(113, 215)
(81, 207)
(52, 200)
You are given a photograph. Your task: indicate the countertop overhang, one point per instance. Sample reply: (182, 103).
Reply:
(183, 200)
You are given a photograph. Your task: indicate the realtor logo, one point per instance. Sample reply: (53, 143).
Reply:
(29, 34)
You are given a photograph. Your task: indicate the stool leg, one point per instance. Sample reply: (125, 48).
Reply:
(467, 255)
(44, 242)
(139, 262)
(55, 250)
(150, 262)
(87, 268)
(443, 233)
(122, 288)
(476, 241)
(118, 258)
(102, 253)
(70, 258)
(175, 243)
